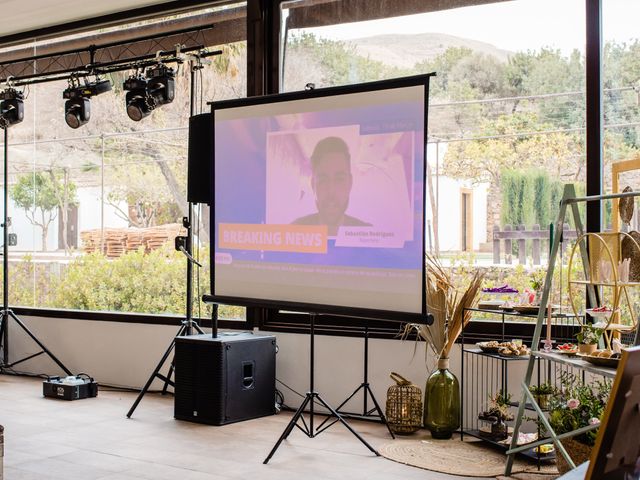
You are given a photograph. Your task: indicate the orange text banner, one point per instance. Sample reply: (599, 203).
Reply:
(276, 238)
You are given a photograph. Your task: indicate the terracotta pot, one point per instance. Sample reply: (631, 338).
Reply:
(587, 349)
(579, 453)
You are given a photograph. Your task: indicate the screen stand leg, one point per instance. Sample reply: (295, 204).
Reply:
(310, 398)
(374, 413)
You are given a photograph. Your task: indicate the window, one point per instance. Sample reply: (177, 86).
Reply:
(621, 90)
(506, 120)
(620, 99)
(96, 209)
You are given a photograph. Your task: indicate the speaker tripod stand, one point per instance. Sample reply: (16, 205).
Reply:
(6, 312)
(183, 244)
(310, 399)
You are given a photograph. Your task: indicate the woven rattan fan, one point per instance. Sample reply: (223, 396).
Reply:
(625, 207)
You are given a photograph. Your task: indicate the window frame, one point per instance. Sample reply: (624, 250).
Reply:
(282, 321)
(264, 77)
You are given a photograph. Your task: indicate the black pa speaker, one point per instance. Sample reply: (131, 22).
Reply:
(225, 379)
(199, 188)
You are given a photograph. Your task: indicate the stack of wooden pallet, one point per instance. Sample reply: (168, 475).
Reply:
(155, 237)
(91, 240)
(135, 239)
(117, 241)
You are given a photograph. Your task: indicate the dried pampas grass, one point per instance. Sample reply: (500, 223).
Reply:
(446, 301)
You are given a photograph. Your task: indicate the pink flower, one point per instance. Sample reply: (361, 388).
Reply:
(594, 421)
(573, 403)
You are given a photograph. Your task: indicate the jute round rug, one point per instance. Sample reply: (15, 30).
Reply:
(471, 459)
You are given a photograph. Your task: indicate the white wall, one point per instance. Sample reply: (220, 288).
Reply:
(450, 212)
(125, 354)
(29, 236)
(89, 210)
(89, 217)
(480, 193)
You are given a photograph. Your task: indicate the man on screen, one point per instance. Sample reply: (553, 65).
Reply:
(331, 182)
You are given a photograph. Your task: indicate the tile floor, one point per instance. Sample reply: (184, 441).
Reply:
(92, 439)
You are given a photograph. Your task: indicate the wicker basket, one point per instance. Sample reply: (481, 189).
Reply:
(579, 453)
(404, 406)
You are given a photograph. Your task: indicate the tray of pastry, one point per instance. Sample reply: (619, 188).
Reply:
(603, 358)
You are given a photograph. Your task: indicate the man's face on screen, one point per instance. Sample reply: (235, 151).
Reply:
(332, 185)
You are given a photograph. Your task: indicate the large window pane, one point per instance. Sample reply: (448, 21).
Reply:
(507, 113)
(96, 209)
(620, 100)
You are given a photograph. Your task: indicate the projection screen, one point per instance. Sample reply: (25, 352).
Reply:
(318, 200)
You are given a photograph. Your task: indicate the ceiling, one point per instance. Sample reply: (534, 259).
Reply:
(19, 16)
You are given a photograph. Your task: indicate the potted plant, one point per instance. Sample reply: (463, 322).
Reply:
(498, 413)
(447, 298)
(588, 338)
(536, 280)
(574, 406)
(542, 393)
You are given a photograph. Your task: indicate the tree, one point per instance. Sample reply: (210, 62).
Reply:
(140, 183)
(64, 191)
(39, 192)
(508, 147)
(331, 62)
(442, 64)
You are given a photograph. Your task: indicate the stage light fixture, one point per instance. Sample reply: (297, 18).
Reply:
(146, 93)
(77, 109)
(161, 84)
(11, 107)
(136, 99)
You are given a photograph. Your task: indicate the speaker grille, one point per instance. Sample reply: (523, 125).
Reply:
(210, 378)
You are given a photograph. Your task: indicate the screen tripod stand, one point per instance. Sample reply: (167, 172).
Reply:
(374, 413)
(310, 398)
(6, 312)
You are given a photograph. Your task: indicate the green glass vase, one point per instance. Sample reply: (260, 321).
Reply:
(442, 402)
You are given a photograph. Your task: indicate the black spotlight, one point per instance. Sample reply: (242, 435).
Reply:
(146, 94)
(136, 99)
(161, 84)
(11, 107)
(77, 109)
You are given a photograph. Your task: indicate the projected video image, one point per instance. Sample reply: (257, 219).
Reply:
(359, 186)
(320, 200)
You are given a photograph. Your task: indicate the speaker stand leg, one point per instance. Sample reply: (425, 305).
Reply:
(172, 366)
(4, 318)
(156, 373)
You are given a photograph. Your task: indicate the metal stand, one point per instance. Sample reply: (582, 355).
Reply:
(184, 330)
(569, 201)
(310, 398)
(184, 245)
(6, 312)
(367, 413)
